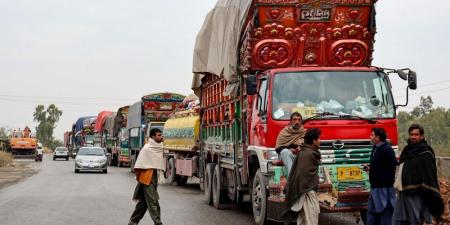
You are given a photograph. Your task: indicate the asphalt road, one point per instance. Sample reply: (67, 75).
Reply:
(56, 196)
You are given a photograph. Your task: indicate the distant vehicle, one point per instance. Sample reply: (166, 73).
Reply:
(61, 152)
(92, 159)
(39, 153)
(23, 143)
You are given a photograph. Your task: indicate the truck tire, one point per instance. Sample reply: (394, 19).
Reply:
(181, 181)
(218, 194)
(208, 182)
(170, 171)
(259, 199)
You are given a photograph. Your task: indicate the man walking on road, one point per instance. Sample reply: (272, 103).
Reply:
(419, 198)
(149, 161)
(381, 176)
(289, 140)
(303, 180)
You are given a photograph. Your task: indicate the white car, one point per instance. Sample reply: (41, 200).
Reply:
(61, 152)
(91, 158)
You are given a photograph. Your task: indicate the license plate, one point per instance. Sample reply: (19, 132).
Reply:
(349, 173)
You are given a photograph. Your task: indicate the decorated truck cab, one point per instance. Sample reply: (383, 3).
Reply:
(255, 63)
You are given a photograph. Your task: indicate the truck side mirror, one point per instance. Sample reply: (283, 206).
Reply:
(250, 84)
(412, 80)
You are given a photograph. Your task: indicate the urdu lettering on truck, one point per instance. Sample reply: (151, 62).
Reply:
(149, 112)
(256, 62)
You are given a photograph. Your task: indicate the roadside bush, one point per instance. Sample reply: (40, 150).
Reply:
(5, 159)
(47, 150)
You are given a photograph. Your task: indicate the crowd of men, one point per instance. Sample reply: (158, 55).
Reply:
(403, 192)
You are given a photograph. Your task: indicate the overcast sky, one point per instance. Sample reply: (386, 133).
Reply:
(86, 56)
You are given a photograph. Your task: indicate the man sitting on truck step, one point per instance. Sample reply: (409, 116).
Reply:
(289, 140)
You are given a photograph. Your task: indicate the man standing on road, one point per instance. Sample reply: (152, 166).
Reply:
(381, 176)
(303, 180)
(419, 198)
(149, 161)
(289, 140)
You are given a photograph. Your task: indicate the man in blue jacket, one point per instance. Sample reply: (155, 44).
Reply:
(381, 176)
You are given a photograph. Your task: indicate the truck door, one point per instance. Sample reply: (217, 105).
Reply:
(259, 117)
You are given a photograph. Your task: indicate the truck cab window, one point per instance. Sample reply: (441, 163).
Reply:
(262, 97)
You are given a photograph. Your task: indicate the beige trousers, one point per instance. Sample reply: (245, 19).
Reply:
(308, 209)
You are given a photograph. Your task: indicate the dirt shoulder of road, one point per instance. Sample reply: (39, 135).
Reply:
(18, 170)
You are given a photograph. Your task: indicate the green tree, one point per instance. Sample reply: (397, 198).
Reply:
(425, 106)
(3, 132)
(436, 123)
(47, 120)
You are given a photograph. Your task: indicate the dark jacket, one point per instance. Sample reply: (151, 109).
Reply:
(420, 175)
(304, 173)
(382, 166)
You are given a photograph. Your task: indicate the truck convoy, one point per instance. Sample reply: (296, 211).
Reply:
(23, 144)
(256, 62)
(150, 112)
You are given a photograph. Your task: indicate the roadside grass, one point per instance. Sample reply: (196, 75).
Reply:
(5, 159)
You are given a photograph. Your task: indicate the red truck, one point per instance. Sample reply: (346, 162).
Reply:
(256, 62)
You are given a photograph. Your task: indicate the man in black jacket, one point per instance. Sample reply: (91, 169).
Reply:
(381, 176)
(419, 198)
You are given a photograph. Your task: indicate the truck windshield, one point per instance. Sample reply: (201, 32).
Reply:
(355, 93)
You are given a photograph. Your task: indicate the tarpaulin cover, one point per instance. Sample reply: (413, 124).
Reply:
(109, 123)
(216, 47)
(100, 121)
(80, 122)
(121, 119)
(135, 115)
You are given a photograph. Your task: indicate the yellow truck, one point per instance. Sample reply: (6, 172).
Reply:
(181, 150)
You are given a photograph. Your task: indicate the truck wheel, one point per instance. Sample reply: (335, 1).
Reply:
(208, 182)
(217, 192)
(170, 171)
(259, 199)
(182, 181)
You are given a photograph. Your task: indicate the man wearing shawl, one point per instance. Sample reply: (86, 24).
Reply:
(419, 198)
(289, 140)
(303, 181)
(149, 162)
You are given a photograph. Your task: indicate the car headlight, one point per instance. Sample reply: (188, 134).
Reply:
(102, 160)
(79, 161)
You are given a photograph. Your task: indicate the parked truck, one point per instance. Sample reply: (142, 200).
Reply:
(149, 112)
(256, 62)
(83, 133)
(101, 136)
(22, 143)
(181, 136)
(120, 151)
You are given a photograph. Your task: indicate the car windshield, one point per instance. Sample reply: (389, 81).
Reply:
(91, 151)
(355, 93)
(61, 149)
